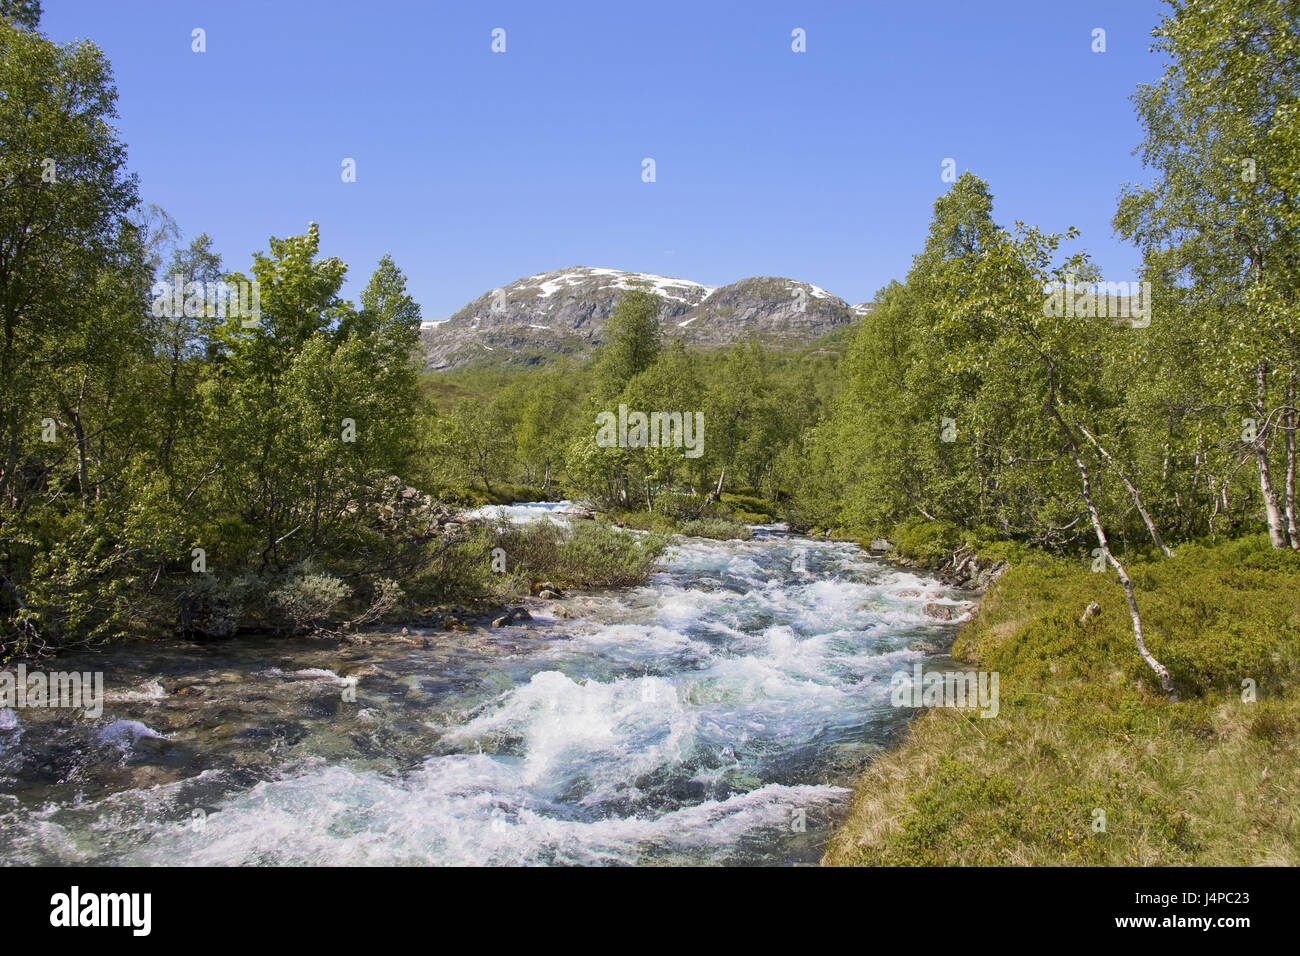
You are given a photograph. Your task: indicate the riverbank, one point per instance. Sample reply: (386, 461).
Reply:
(1086, 762)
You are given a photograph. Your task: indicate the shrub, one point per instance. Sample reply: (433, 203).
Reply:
(585, 554)
(926, 542)
(750, 509)
(216, 607)
(386, 596)
(307, 599)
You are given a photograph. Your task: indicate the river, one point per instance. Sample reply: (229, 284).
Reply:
(717, 715)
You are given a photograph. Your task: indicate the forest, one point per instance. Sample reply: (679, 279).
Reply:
(168, 464)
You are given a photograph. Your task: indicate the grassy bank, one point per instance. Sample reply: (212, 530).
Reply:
(1081, 727)
(414, 576)
(727, 519)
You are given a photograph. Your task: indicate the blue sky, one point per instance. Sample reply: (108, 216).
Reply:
(475, 168)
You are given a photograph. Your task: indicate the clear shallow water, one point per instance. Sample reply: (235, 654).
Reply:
(717, 715)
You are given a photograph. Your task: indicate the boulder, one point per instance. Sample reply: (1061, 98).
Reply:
(989, 575)
(945, 612)
(512, 616)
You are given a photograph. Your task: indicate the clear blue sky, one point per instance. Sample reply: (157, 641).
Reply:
(475, 168)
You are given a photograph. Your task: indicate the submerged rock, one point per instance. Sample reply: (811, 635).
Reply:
(576, 511)
(945, 612)
(512, 616)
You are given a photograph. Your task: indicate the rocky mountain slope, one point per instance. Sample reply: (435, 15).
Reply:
(539, 317)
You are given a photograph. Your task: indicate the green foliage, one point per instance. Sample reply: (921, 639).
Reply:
(307, 598)
(587, 554)
(142, 437)
(1222, 134)
(274, 446)
(22, 13)
(750, 508)
(925, 542)
(632, 340)
(1214, 617)
(1082, 725)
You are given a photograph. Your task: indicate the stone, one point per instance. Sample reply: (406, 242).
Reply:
(945, 612)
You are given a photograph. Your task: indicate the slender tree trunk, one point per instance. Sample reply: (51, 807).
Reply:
(1166, 682)
(82, 469)
(1289, 417)
(1215, 512)
(716, 493)
(1271, 509)
(1133, 493)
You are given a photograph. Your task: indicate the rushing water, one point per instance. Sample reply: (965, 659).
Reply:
(717, 715)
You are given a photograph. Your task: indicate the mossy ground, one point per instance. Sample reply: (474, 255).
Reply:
(1082, 727)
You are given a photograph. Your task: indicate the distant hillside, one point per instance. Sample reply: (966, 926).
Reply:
(538, 318)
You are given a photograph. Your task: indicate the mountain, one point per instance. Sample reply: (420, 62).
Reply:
(539, 317)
